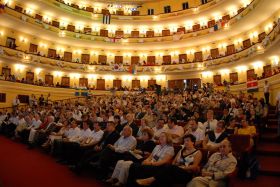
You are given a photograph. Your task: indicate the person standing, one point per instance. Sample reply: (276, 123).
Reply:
(16, 103)
(266, 92)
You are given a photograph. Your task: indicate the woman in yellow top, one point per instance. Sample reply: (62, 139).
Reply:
(247, 130)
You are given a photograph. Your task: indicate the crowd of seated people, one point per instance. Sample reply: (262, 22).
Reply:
(142, 139)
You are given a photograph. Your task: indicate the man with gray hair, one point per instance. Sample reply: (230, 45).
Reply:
(39, 135)
(218, 167)
(112, 153)
(132, 124)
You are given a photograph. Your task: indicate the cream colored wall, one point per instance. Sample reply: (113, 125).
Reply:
(13, 89)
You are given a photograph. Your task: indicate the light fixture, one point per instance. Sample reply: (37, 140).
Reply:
(257, 64)
(241, 68)
(38, 70)
(275, 60)
(57, 73)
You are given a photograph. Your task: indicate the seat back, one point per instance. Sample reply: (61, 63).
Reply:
(239, 143)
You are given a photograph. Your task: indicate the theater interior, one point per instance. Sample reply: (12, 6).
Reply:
(173, 58)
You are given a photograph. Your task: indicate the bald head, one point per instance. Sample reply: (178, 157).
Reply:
(127, 131)
(225, 147)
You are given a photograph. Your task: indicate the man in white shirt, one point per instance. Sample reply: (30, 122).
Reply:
(15, 103)
(36, 122)
(159, 128)
(211, 123)
(2, 117)
(233, 111)
(197, 132)
(71, 150)
(77, 115)
(33, 124)
(266, 92)
(110, 155)
(21, 125)
(74, 132)
(9, 128)
(176, 131)
(94, 137)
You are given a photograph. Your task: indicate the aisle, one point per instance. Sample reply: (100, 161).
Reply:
(20, 167)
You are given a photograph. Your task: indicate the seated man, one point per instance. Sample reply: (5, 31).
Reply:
(9, 127)
(159, 128)
(110, 137)
(211, 123)
(94, 137)
(72, 135)
(132, 124)
(33, 123)
(112, 153)
(21, 125)
(197, 132)
(176, 132)
(218, 167)
(40, 134)
(62, 133)
(214, 138)
(71, 147)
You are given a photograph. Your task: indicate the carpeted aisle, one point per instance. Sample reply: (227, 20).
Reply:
(20, 167)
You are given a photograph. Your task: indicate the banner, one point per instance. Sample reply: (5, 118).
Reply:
(252, 86)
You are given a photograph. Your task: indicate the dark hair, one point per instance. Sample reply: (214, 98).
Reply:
(111, 122)
(149, 132)
(191, 137)
(117, 117)
(223, 123)
(96, 122)
(231, 119)
(173, 120)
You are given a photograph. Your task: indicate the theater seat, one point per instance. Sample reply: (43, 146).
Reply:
(240, 143)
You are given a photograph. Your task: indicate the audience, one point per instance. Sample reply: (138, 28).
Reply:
(136, 135)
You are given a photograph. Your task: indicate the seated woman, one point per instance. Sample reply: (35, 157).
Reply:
(161, 155)
(218, 167)
(214, 138)
(247, 130)
(185, 164)
(142, 151)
